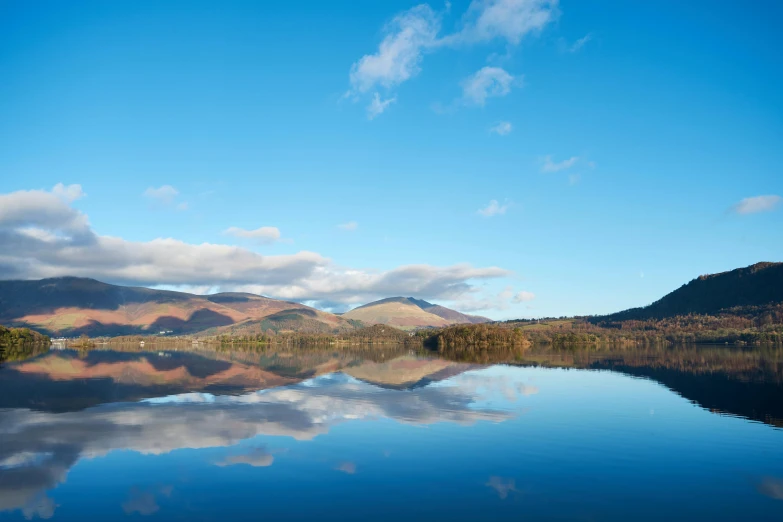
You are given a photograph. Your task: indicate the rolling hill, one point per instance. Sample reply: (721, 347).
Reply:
(758, 285)
(409, 313)
(70, 306)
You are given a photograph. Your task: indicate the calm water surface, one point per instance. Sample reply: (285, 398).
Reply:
(205, 435)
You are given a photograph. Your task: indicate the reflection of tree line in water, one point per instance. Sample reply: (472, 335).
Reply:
(21, 343)
(743, 381)
(755, 363)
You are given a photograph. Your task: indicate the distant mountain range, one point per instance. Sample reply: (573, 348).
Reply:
(757, 285)
(409, 313)
(70, 306)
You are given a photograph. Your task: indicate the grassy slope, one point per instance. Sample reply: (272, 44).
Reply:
(399, 314)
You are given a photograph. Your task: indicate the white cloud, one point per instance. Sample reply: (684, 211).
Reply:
(502, 128)
(261, 235)
(523, 296)
(507, 19)
(573, 179)
(42, 210)
(63, 243)
(577, 45)
(500, 301)
(351, 225)
(414, 32)
(757, 204)
(377, 105)
(399, 55)
(493, 209)
(487, 82)
(164, 194)
(69, 193)
(548, 165)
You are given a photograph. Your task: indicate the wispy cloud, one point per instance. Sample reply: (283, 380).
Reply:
(351, 226)
(577, 45)
(377, 105)
(757, 204)
(165, 196)
(412, 33)
(502, 128)
(487, 82)
(261, 235)
(549, 165)
(510, 20)
(69, 193)
(493, 209)
(523, 297)
(399, 55)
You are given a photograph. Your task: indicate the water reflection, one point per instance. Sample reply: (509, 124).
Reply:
(456, 439)
(37, 448)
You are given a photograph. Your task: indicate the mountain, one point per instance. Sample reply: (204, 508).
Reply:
(408, 313)
(757, 285)
(70, 306)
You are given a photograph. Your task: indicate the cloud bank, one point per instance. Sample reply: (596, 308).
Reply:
(42, 235)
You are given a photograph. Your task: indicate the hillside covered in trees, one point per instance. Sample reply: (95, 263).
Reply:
(754, 288)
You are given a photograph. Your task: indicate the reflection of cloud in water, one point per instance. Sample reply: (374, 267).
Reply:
(502, 485)
(346, 467)
(498, 381)
(145, 501)
(771, 487)
(40, 506)
(37, 449)
(256, 457)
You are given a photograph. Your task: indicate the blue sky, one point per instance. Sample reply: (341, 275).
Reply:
(620, 141)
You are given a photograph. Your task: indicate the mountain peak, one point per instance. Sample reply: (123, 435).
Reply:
(409, 312)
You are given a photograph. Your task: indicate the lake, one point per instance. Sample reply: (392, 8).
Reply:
(388, 434)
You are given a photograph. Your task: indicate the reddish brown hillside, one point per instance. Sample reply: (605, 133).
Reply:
(70, 306)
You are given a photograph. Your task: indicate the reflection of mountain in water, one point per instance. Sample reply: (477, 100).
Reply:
(67, 380)
(746, 383)
(760, 401)
(38, 449)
